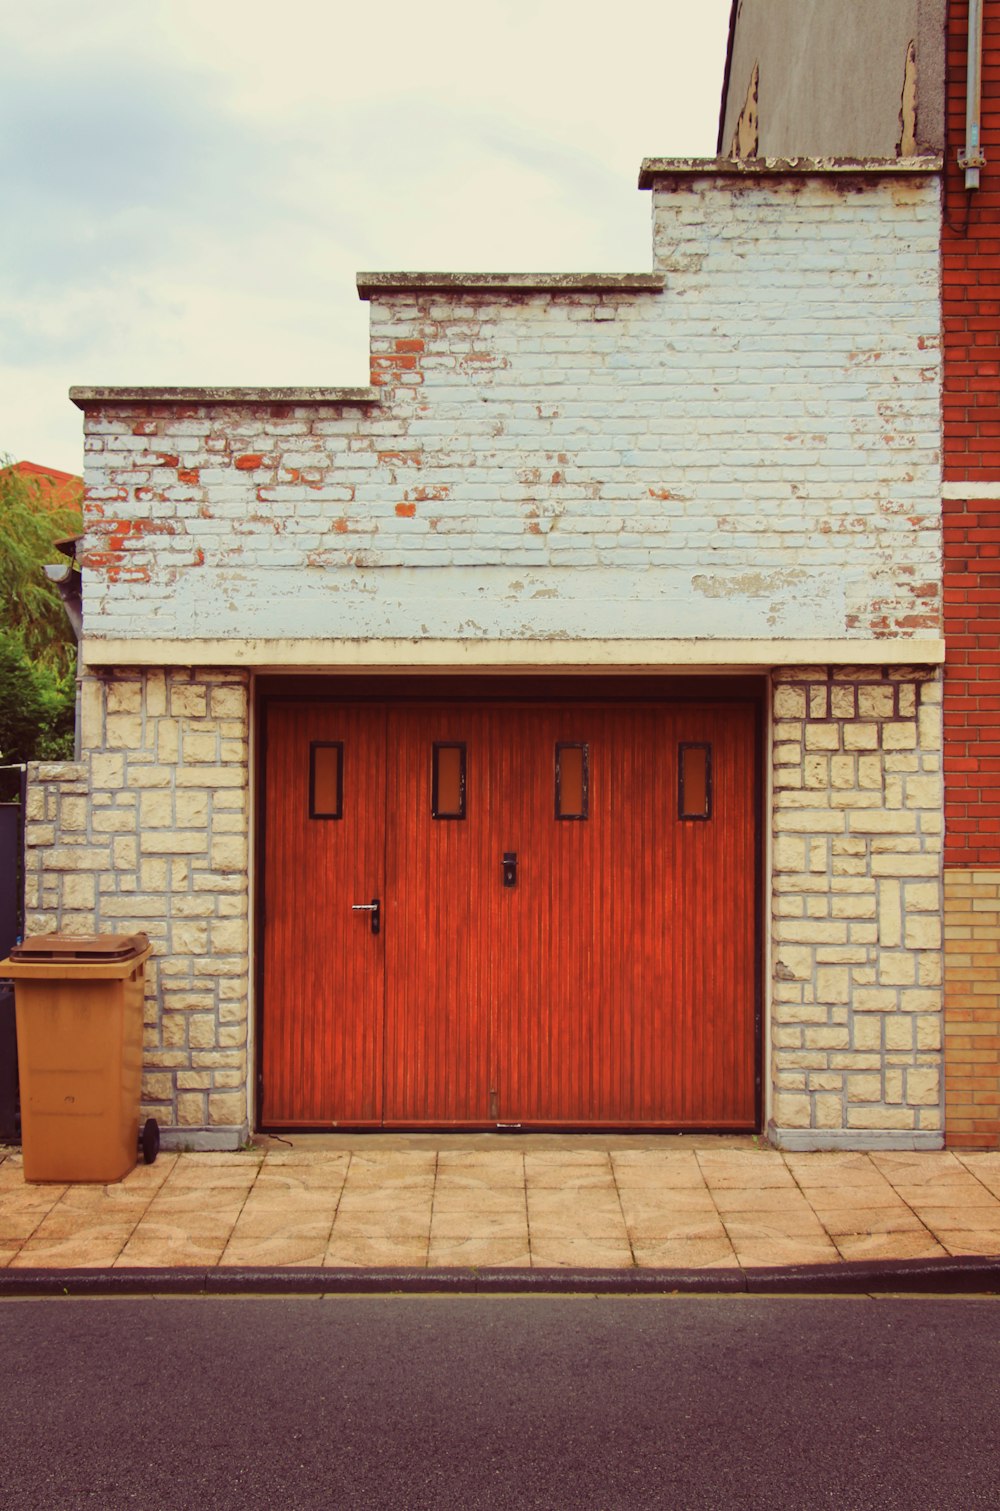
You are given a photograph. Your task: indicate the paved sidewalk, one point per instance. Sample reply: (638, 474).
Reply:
(587, 1202)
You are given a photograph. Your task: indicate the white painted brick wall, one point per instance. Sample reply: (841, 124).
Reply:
(751, 453)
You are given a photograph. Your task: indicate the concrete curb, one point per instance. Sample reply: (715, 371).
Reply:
(961, 1276)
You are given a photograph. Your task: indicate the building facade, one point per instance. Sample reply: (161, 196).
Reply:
(825, 78)
(549, 733)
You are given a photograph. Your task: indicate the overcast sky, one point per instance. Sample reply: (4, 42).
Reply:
(190, 186)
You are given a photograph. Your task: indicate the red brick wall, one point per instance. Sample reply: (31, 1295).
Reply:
(971, 253)
(971, 309)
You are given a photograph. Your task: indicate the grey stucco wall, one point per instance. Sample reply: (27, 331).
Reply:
(831, 75)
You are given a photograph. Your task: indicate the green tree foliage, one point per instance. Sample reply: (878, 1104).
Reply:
(29, 525)
(37, 649)
(36, 706)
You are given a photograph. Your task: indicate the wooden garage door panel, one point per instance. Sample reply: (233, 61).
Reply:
(630, 943)
(713, 898)
(322, 1043)
(441, 926)
(614, 984)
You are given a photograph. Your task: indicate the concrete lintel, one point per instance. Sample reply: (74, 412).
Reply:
(653, 168)
(204, 1139)
(510, 655)
(814, 1140)
(370, 285)
(90, 398)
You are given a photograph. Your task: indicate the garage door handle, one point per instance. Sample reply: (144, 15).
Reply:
(374, 908)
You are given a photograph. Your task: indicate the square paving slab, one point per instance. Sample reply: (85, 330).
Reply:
(552, 1200)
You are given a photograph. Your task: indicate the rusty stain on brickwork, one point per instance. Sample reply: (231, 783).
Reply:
(747, 584)
(480, 361)
(433, 494)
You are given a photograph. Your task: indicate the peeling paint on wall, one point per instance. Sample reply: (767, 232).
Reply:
(907, 144)
(745, 138)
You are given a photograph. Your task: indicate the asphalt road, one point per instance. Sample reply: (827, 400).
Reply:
(474, 1403)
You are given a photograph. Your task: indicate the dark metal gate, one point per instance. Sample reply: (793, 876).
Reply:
(11, 928)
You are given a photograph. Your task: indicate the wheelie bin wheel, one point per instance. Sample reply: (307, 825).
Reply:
(150, 1141)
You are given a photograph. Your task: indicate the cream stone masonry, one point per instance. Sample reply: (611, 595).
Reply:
(150, 831)
(856, 997)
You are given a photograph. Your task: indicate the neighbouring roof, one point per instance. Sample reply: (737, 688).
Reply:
(55, 488)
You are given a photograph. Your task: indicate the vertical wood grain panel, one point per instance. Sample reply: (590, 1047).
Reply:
(630, 947)
(322, 1051)
(615, 984)
(442, 880)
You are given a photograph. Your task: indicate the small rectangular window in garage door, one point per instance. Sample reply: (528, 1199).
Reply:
(694, 781)
(448, 773)
(326, 779)
(572, 780)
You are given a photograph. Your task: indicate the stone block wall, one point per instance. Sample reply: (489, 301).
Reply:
(856, 1006)
(150, 831)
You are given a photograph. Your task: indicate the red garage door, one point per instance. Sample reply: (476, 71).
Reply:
(496, 914)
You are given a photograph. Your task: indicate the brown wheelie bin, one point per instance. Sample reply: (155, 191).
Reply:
(79, 1042)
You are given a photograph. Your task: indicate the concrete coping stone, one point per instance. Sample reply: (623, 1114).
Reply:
(370, 285)
(88, 398)
(653, 168)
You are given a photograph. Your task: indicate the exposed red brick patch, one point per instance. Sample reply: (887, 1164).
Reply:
(187, 474)
(250, 462)
(406, 511)
(394, 362)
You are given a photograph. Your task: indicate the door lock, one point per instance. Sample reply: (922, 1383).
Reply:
(374, 908)
(510, 868)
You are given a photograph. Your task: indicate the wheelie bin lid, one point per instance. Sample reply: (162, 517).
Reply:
(79, 949)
